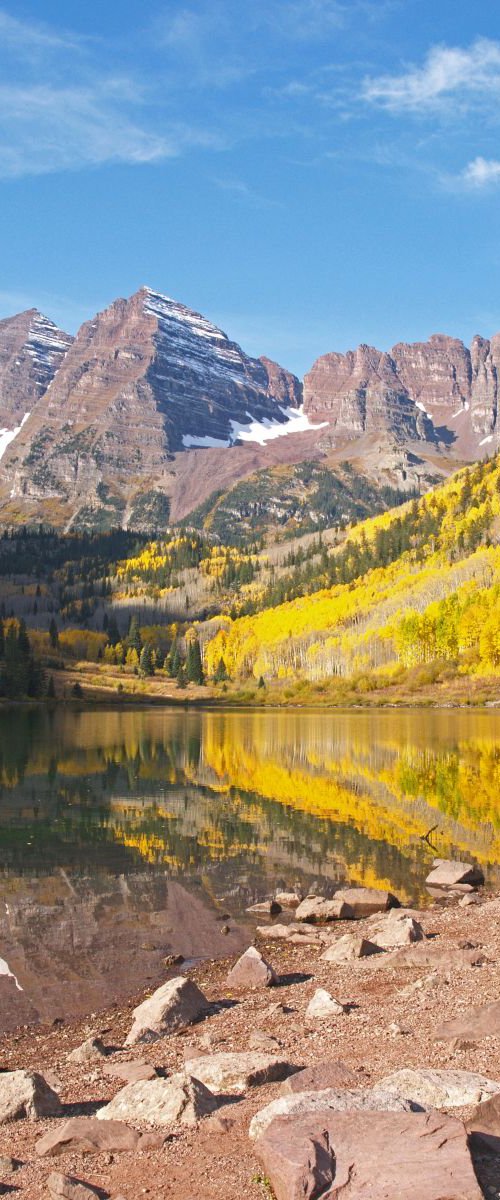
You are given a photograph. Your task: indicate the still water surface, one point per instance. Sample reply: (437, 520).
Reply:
(127, 834)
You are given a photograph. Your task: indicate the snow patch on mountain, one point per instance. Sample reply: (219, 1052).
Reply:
(7, 435)
(295, 421)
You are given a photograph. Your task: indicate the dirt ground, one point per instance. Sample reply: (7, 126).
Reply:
(217, 1159)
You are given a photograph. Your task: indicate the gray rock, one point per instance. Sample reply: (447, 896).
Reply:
(288, 899)
(315, 909)
(324, 1102)
(395, 929)
(178, 1100)
(349, 948)
(363, 901)
(447, 873)
(289, 933)
(90, 1051)
(229, 1073)
(172, 1007)
(439, 1088)
(323, 1007)
(26, 1094)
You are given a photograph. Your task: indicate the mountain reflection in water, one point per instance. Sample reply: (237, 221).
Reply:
(114, 824)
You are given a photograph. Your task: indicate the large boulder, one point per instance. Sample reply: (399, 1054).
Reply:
(26, 1094)
(178, 1100)
(232, 1074)
(87, 1135)
(434, 1088)
(315, 910)
(349, 948)
(323, 1007)
(447, 873)
(395, 929)
(331, 1073)
(380, 1155)
(173, 1006)
(472, 1025)
(484, 1124)
(251, 971)
(364, 901)
(323, 1103)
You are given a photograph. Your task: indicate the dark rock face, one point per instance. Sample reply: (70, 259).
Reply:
(32, 349)
(145, 378)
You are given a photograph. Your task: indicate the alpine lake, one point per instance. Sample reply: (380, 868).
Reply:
(130, 835)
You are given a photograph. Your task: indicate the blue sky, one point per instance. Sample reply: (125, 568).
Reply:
(308, 173)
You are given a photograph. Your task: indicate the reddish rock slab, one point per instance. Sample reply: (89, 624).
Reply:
(472, 1025)
(87, 1135)
(333, 1074)
(483, 1125)
(66, 1187)
(361, 1155)
(252, 971)
(131, 1070)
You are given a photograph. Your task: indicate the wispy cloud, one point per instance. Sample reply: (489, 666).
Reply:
(449, 76)
(86, 114)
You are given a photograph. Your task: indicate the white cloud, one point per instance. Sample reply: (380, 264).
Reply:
(449, 76)
(82, 114)
(45, 129)
(481, 172)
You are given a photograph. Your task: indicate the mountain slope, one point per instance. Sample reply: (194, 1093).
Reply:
(414, 586)
(31, 350)
(144, 379)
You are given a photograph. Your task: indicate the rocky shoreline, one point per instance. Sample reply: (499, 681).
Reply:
(392, 1014)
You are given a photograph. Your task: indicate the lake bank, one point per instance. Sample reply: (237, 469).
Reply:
(393, 1011)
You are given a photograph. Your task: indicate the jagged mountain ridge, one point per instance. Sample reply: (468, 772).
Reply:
(151, 408)
(450, 386)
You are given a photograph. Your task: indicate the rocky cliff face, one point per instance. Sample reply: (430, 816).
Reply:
(438, 391)
(360, 392)
(32, 349)
(143, 380)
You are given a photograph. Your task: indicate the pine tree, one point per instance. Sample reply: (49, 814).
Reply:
(181, 677)
(194, 665)
(221, 672)
(53, 634)
(173, 661)
(134, 635)
(51, 691)
(146, 666)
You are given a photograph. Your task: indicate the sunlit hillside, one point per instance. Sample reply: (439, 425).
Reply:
(411, 587)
